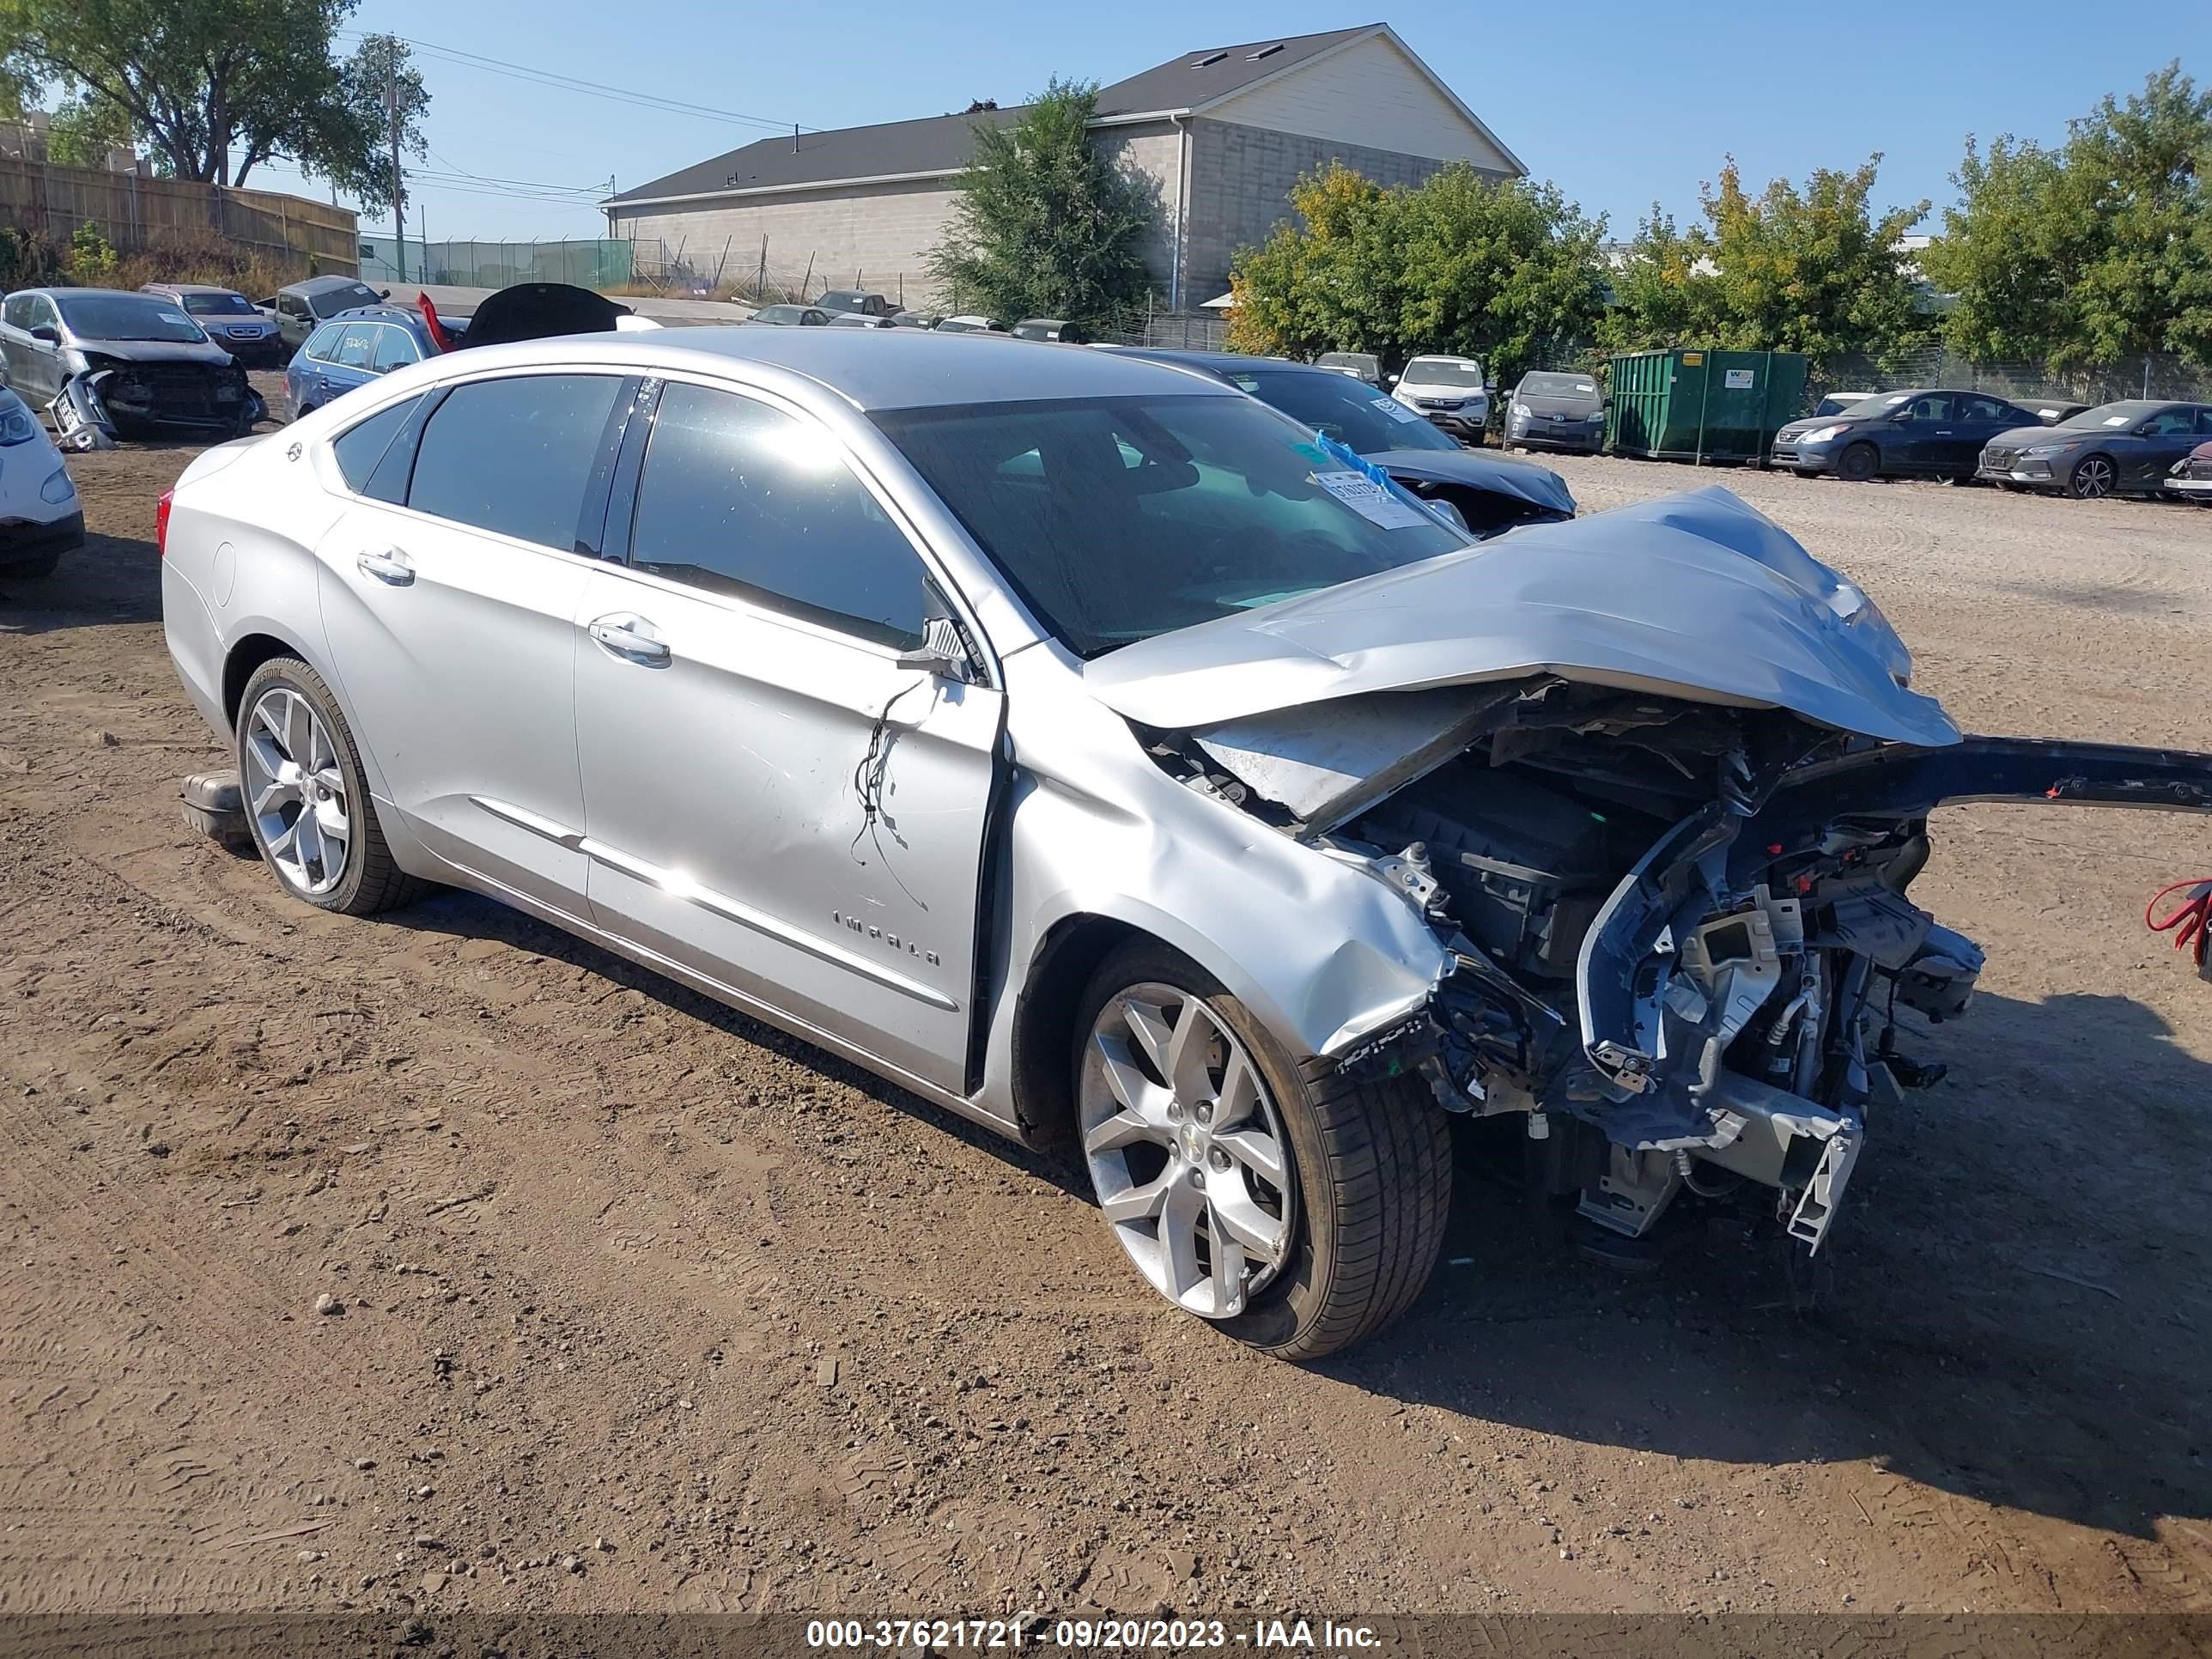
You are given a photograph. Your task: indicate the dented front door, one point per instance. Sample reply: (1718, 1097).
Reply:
(769, 798)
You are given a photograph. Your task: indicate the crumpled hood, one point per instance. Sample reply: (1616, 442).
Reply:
(1523, 481)
(1696, 596)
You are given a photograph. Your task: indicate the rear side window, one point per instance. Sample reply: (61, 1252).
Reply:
(740, 498)
(323, 344)
(359, 449)
(515, 456)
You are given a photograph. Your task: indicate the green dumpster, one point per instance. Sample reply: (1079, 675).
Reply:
(1702, 405)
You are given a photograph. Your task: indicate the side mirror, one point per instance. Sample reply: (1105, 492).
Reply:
(48, 333)
(1391, 379)
(384, 294)
(941, 652)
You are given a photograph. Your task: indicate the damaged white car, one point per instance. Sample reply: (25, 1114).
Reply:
(1097, 753)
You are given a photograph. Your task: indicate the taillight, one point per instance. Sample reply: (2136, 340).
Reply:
(162, 524)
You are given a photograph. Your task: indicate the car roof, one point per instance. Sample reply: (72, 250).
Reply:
(870, 368)
(321, 284)
(1425, 357)
(69, 293)
(190, 288)
(1223, 363)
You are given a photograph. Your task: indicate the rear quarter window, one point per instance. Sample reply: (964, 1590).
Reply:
(362, 450)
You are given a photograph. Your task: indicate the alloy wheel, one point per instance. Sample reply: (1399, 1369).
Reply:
(1186, 1150)
(296, 790)
(2092, 478)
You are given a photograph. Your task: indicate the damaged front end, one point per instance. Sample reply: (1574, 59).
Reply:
(1680, 920)
(111, 399)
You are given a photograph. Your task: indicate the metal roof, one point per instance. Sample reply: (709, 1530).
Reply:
(870, 369)
(942, 143)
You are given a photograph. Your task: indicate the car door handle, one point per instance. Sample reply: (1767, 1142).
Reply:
(389, 566)
(631, 636)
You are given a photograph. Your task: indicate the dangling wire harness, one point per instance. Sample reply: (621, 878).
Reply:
(2190, 921)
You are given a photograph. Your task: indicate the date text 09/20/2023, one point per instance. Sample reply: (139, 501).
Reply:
(1084, 1635)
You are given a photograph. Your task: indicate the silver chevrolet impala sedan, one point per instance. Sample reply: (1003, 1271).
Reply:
(1100, 755)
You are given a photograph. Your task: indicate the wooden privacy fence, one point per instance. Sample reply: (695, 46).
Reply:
(131, 212)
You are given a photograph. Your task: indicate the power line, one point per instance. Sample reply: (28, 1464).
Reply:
(569, 83)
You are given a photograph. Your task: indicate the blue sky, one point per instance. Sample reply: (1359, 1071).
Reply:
(1620, 103)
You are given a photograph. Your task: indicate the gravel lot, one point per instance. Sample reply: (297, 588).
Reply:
(647, 1307)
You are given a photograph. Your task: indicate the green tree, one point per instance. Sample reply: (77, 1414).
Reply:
(1045, 225)
(1509, 272)
(1815, 270)
(2097, 252)
(84, 129)
(1663, 287)
(214, 87)
(352, 143)
(1334, 282)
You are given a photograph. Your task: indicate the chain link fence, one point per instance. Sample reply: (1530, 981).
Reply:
(585, 262)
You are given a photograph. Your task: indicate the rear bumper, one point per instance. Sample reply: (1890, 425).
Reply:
(23, 539)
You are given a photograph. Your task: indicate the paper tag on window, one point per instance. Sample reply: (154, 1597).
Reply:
(1372, 501)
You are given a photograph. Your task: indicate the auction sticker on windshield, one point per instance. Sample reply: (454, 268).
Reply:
(1372, 501)
(1396, 410)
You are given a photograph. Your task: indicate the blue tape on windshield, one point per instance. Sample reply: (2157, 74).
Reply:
(1353, 461)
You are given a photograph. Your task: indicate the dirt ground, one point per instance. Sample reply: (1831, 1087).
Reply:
(646, 1306)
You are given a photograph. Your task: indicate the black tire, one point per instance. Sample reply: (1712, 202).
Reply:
(1858, 463)
(2094, 478)
(41, 566)
(1370, 1163)
(1806, 471)
(371, 881)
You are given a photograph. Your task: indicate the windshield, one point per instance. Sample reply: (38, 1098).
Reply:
(344, 299)
(1119, 518)
(218, 304)
(1446, 370)
(1574, 387)
(128, 317)
(2111, 415)
(1357, 415)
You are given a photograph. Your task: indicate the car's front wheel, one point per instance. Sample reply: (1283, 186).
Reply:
(1858, 463)
(1300, 1211)
(2092, 478)
(307, 796)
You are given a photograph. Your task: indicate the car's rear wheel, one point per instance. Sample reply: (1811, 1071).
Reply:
(1858, 463)
(2092, 478)
(1298, 1210)
(307, 797)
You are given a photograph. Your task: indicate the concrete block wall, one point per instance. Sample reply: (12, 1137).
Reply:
(882, 232)
(1240, 189)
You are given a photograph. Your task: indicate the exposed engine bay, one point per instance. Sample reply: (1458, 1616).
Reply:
(1682, 932)
(113, 397)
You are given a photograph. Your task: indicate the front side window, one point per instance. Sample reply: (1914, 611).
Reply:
(292, 306)
(395, 349)
(1224, 507)
(1931, 408)
(2170, 423)
(742, 499)
(514, 455)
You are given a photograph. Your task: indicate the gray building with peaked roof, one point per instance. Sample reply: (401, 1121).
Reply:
(1216, 135)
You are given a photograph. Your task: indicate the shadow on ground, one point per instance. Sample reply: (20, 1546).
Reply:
(2012, 1307)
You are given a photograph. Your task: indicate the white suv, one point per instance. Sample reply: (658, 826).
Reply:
(1450, 391)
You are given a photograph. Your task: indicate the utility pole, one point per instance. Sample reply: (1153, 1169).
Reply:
(391, 112)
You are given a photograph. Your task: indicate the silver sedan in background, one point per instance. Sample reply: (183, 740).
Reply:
(1100, 754)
